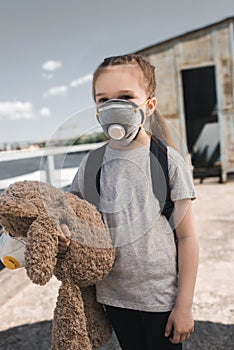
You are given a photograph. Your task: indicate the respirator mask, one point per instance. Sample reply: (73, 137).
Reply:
(120, 119)
(12, 251)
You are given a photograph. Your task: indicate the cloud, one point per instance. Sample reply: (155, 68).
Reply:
(16, 110)
(45, 112)
(51, 65)
(60, 91)
(81, 81)
(47, 75)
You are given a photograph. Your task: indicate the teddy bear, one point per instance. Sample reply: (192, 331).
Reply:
(34, 211)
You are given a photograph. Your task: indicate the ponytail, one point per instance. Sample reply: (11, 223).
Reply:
(159, 128)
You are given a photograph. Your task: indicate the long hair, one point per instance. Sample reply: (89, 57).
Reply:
(157, 124)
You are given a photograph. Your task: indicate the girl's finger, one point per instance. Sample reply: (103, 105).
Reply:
(184, 337)
(168, 328)
(66, 231)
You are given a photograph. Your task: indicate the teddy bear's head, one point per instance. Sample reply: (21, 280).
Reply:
(22, 202)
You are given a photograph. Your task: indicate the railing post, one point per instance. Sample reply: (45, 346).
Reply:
(50, 169)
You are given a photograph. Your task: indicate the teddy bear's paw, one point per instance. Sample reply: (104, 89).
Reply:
(38, 274)
(39, 266)
(38, 270)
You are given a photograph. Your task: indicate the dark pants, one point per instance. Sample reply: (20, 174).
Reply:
(139, 330)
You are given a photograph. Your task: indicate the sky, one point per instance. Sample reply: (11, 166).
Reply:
(49, 50)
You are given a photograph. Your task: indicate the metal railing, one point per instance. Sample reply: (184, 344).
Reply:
(47, 156)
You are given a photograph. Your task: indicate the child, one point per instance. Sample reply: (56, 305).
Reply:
(149, 292)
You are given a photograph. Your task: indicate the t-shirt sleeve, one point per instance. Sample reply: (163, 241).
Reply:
(77, 186)
(180, 177)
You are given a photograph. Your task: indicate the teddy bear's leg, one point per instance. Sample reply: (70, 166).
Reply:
(69, 324)
(98, 326)
(41, 250)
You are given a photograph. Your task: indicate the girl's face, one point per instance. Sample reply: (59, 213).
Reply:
(121, 82)
(124, 82)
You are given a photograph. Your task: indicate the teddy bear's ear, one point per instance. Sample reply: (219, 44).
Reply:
(17, 215)
(17, 207)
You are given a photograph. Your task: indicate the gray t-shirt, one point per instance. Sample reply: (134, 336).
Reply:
(144, 275)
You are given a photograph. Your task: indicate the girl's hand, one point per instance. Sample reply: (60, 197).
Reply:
(64, 239)
(180, 325)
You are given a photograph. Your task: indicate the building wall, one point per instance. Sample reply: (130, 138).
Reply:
(212, 45)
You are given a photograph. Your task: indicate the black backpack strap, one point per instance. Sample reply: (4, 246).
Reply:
(92, 175)
(160, 181)
(160, 177)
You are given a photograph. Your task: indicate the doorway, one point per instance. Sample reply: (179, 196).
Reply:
(201, 117)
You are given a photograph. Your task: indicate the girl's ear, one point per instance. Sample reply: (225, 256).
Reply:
(151, 106)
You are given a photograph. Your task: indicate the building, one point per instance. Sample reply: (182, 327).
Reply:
(195, 80)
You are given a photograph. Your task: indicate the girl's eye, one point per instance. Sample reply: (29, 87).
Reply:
(122, 97)
(125, 97)
(103, 99)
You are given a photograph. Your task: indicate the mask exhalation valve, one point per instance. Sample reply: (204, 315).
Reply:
(116, 131)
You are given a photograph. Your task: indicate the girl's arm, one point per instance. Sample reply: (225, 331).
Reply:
(181, 319)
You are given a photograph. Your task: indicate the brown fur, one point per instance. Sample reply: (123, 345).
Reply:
(34, 211)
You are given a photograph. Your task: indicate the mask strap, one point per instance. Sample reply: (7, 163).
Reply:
(141, 105)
